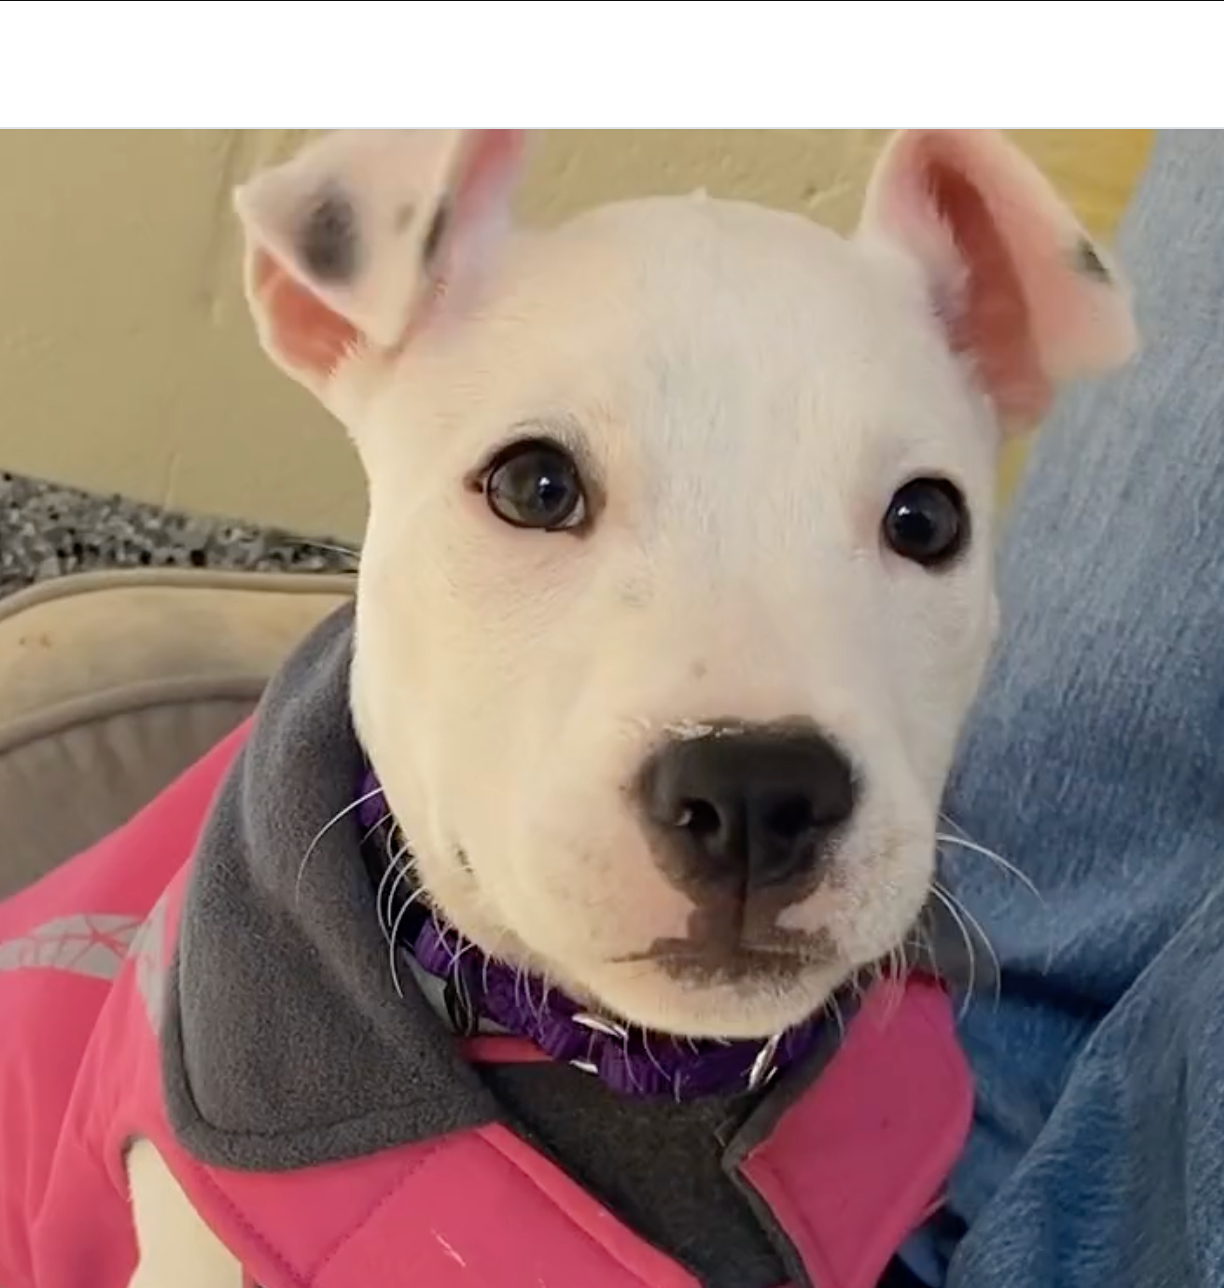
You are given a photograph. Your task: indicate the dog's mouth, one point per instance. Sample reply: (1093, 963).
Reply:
(781, 958)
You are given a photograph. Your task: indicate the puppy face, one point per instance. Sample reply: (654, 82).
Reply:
(676, 586)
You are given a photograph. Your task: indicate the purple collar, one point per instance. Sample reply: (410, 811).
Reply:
(629, 1061)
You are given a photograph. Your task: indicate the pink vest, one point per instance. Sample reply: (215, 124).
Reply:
(850, 1170)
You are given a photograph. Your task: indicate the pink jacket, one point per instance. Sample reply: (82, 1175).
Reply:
(849, 1171)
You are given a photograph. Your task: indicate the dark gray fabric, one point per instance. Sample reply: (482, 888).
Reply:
(285, 1043)
(657, 1165)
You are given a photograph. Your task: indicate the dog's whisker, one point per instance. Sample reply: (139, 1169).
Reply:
(370, 832)
(436, 922)
(330, 547)
(520, 980)
(394, 937)
(952, 823)
(462, 948)
(460, 982)
(391, 875)
(400, 872)
(529, 1002)
(894, 968)
(962, 843)
(861, 983)
(980, 931)
(536, 1006)
(397, 861)
(323, 831)
(923, 944)
(546, 988)
(834, 1005)
(650, 1055)
(886, 977)
(950, 905)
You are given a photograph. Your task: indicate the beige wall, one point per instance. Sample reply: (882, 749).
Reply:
(126, 360)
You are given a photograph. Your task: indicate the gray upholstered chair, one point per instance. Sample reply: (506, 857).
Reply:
(113, 683)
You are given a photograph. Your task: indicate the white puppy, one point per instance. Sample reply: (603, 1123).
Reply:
(677, 581)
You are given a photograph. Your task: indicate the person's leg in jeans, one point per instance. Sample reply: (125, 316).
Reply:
(1095, 762)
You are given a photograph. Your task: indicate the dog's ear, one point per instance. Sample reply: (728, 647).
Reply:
(367, 235)
(1023, 292)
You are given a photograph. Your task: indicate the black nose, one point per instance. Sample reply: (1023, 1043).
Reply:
(747, 808)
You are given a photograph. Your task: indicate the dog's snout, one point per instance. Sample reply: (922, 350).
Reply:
(747, 808)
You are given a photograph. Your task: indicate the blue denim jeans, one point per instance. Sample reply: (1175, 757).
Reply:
(1094, 762)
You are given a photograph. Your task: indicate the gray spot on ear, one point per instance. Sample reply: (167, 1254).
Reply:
(437, 231)
(328, 241)
(1089, 263)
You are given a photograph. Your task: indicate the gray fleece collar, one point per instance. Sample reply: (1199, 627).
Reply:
(285, 1043)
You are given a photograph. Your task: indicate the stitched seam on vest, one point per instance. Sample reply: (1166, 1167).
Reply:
(796, 1213)
(393, 1193)
(254, 1234)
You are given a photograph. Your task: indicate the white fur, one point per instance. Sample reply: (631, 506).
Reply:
(752, 390)
(176, 1248)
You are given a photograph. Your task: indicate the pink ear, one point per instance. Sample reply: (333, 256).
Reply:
(1024, 293)
(355, 242)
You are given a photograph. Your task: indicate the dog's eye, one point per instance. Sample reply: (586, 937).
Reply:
(536, 484)
(927, 522)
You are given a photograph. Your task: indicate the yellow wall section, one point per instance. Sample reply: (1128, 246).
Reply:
(126, 359)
